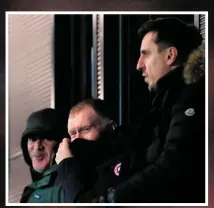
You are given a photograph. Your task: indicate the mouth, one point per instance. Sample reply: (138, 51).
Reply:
(39, 157)
(145, 76)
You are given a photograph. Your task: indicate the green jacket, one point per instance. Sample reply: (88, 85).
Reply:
(46, 190)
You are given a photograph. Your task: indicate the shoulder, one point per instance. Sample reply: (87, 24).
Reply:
(191, 96)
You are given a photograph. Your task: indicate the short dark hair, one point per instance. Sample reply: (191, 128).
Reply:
(173, 32)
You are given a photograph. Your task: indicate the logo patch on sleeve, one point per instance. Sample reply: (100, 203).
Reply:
(117, 169)
(190, 112)
(37, 196)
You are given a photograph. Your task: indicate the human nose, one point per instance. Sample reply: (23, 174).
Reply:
(38, 144)
(140, 64)
(77, 135)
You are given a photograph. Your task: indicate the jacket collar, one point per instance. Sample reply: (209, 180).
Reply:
(50, 170)
(47, 179)
(172, 80)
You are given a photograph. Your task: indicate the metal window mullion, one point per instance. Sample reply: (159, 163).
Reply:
(98, 57)
(202, 26)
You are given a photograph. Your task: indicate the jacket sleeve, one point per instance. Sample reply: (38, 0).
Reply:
(185, 141)
(74, 177)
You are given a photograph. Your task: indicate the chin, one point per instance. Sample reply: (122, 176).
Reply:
(41, 170)
(41, 167)
(152, 87)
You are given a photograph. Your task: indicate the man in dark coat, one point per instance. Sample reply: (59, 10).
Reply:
(91, 128)
(172, 63)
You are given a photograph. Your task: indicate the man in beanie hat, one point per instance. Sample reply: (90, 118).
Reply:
(44, 131)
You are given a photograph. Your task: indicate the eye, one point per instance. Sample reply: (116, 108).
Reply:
(33, 139)
(86, 129)
(72, 134)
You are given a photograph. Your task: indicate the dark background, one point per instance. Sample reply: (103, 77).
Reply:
(119, 5)
(124, 87)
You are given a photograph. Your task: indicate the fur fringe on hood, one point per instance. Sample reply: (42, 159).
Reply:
(194, 69)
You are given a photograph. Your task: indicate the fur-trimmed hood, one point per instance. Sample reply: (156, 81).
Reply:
(194, 69)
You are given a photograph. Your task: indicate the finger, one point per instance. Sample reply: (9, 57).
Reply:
(58, 151)
(66, 141)
(56, 159)
(60, 144)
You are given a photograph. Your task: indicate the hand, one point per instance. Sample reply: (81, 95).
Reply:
(63, 151)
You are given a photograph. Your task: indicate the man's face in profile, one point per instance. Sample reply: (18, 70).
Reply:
(153, 62)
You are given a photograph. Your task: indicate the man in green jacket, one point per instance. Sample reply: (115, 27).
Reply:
(44, 131)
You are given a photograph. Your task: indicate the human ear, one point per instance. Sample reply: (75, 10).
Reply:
(172, 53)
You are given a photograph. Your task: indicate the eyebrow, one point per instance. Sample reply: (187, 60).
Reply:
(144, 51)
(81, 128)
